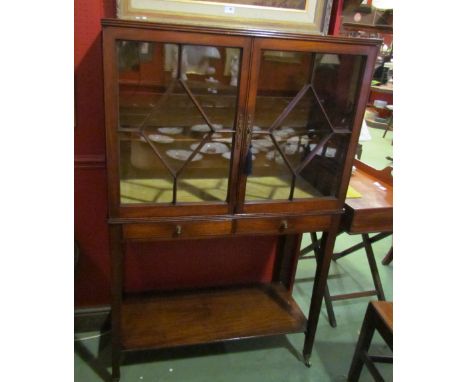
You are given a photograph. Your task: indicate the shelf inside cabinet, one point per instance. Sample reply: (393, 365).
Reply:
(208, 315)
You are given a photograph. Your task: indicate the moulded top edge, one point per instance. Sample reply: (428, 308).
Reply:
(121, 23)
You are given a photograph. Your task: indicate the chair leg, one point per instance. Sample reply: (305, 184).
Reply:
(326, 295)
(362, 347)
(373, 267)
(371, 367)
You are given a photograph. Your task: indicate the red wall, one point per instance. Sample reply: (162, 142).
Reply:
(92, 274)
(150, 265)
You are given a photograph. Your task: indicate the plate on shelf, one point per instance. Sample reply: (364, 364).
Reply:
(274, 155)
(204, 128)
(183, 155)
(293, 149)
(228, 155)
(271, 155)
(261, 143)
(303, 139)
(331, 152)
(159, 138)
(280, 134)
(212, 148)
(283, 132)
(220, 137)
(170, 130)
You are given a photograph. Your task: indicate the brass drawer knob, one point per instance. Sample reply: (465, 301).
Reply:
(283, 225)
(178, 230)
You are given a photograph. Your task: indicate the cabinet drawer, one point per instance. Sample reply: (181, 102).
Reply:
(368, 221)
(283, 225)
(176, 229)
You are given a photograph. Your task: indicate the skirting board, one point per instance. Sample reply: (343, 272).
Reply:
(92, 319)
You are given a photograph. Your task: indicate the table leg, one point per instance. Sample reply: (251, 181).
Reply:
(388, 257)
(116, 298)
(320, 282)
(373, 266)
(326, 295)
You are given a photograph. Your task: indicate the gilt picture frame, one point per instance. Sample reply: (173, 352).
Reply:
(293, 16)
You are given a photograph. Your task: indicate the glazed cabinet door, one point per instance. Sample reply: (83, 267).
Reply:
(305, 106)
(174, 109)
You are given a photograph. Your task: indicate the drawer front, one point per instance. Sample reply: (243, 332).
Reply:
(369, 221)
(177, 229)
(284, 225)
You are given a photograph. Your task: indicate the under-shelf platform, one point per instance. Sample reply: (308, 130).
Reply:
(210, 315)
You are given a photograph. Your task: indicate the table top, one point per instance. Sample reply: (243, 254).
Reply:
(376, 187)
(373, 211)
(387, 88)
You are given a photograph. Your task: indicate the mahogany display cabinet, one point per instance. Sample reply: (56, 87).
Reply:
(217, 133)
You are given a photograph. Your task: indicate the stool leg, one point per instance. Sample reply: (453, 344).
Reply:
(326, 294)
(373, 267)
(363, 344)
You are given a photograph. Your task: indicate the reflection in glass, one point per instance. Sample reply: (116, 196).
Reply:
(304, 111)
(177, 106)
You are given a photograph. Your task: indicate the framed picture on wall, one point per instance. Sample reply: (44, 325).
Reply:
(295, 16)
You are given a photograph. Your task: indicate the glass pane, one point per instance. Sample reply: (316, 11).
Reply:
(176, 121)
(206, 179)
(304, 109)
(321, 172)
(270, 178)
(336, 81)
(216, 92)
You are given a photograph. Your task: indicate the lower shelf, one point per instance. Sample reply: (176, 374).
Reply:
(204, 316)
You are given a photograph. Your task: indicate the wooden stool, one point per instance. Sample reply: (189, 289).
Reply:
(379, 316)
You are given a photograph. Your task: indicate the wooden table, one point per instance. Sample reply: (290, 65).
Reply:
(371, 212)
(387, 88)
